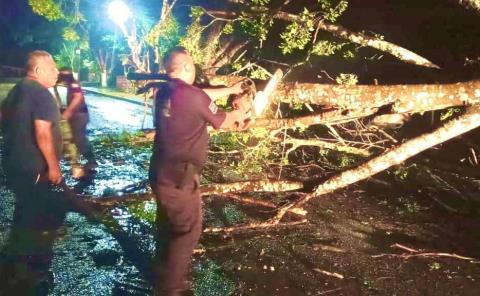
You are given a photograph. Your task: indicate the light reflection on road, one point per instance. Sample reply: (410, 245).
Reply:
(108, 114)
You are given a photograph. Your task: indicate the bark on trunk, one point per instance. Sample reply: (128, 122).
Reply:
(403, 98)
(409, 98)
(218, 189)
(252, 186)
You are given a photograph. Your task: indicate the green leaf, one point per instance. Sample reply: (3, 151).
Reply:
(47, 8)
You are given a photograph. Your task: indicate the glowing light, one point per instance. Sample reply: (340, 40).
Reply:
(119, 12)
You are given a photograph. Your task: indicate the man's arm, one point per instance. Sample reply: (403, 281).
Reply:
(44, 136)
(236, 120)
(77, 100)
(217, 93)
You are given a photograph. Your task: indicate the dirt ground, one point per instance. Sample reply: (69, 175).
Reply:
(356, 240)
(346, 249)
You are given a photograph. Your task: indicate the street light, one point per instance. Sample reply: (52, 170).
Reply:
(119, 13)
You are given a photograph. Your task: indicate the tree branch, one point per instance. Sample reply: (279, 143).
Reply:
(394, 156)
(343, 33)
(326, 145)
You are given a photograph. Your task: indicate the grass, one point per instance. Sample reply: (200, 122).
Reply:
(5, 85)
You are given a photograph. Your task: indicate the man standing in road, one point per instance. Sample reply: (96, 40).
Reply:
(75, 115)
(182, 114)
(30, 158)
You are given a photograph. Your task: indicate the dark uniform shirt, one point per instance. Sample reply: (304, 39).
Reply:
(26, 102)
(182, 113)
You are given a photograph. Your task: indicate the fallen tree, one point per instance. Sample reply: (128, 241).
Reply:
(392, 157)
(405, 98)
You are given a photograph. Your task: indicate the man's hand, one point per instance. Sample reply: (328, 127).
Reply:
(66, 115)
(245, 124)
(242, 120)
(237, 88)
(45, 140)
(222, 92)
(243, 103)
(55, 175)
(236, 120)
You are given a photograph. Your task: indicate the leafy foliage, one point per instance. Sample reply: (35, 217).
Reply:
(209, 280)
(228, 29)
(69, 34)
(164, 35)
(124, 139)
(233, 215)
(257, 151)
(260, 2)
(251, 70)
(347, 79)
(145, 211)
(47, 8)
(298, 34)
(332, 13)
(257, 27)
(326, 48)
(66, 56)
(192, 40)
(450, 112)
(201, 50)
(75, 34)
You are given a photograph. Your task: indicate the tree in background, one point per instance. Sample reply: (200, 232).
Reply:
(85, 43)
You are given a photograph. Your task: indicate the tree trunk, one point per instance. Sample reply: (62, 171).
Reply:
(103, 78)
(409, 98)
(403, 98)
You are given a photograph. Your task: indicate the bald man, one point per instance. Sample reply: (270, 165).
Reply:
(182, 115)
(30, 158)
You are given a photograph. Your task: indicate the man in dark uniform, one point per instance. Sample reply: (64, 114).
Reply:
(182, 114)
(76, 114)
(30, 158)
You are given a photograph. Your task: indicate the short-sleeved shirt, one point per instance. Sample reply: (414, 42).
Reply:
(74, 88)
(182, 114)
(26, 102)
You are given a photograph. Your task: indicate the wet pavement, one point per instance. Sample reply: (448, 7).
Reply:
(88, 260)
(111, 257)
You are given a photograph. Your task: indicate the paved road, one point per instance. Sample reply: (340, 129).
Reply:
(108, 114)
(88, 260)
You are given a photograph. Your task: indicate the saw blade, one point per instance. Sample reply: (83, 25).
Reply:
(262, 98)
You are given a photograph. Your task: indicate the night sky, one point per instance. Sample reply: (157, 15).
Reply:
(439, 30)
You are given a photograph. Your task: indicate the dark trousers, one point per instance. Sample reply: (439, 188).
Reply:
(78, 124)
(26, 258)
(179, 221)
